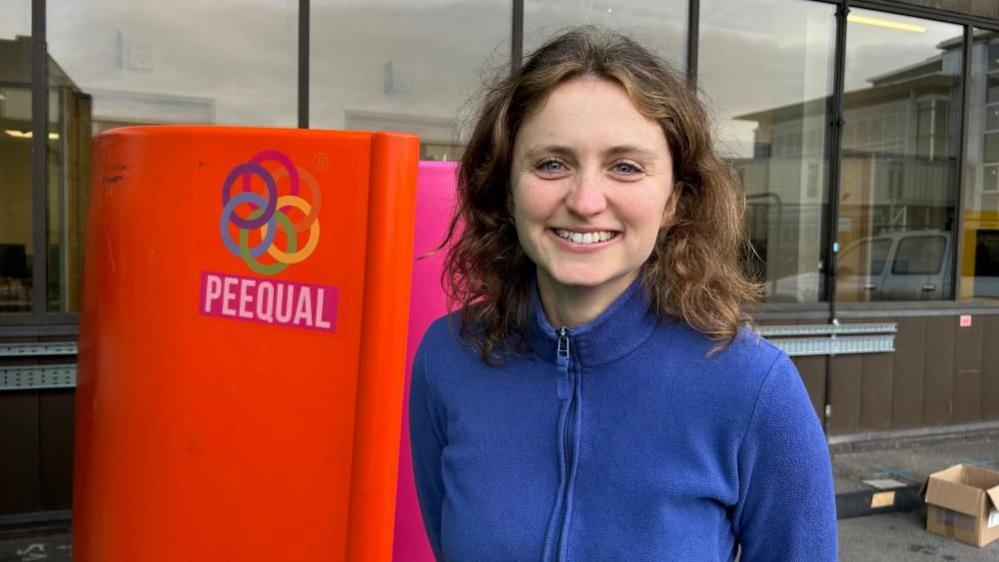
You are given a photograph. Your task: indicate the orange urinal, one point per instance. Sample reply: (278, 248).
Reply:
(242, 344)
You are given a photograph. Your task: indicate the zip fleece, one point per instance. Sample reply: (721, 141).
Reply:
(618, 440)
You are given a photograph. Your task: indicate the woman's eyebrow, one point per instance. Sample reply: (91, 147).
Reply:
(631, 150)
(546, 150)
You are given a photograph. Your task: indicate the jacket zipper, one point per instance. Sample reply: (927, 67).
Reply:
(565, 392)
(564, 388)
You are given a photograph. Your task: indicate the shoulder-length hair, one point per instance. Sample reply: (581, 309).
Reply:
(693, 273)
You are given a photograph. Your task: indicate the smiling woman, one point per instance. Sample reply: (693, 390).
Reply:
(598, 395)
(692, 271)
(590, 184)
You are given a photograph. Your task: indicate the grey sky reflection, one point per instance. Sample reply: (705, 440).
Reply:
(401, 58)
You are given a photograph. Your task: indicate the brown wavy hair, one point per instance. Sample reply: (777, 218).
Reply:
(693, 273)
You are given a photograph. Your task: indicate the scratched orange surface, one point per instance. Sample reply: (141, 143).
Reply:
(216, 421)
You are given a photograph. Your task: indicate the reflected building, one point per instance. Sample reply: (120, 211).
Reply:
(899, 174)
(69, 132)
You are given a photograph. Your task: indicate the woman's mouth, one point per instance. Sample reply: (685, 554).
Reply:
(585, 237)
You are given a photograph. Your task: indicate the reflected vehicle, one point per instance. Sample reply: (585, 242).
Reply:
(897, 266)
(894, 266)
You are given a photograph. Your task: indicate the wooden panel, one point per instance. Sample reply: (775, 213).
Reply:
(56, 453)
(990, 367)
(19, 447)
(907, 379)
(938, 382)
(876, 392)
(985, 8)
(813, 374)
(967, 371)
(960, 6)
(844, 394)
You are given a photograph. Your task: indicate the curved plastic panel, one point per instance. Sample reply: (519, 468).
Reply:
(224, 302)
(435, 199)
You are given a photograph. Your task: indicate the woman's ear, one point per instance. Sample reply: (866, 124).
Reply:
(669, 212)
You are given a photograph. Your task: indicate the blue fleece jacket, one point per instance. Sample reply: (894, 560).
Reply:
(619, 440)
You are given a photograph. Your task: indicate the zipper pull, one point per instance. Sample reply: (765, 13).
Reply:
(562, 361)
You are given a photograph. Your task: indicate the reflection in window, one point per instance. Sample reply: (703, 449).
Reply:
(865, 257)
(405, 66)
(980, 253)
(766, 67)
(660, 26)
(919, 255)
(68, 175)
(144, 63)
(16, 244)
(901, 102)
(192, 62)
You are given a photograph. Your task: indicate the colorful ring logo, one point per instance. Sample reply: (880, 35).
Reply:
(270, 213)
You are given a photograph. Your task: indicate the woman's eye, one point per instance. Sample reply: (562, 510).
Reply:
(550, 166)
(626, 168)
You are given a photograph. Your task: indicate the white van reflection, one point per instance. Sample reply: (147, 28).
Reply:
(912, 265)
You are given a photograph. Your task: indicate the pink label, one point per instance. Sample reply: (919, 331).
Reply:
(965, 320)
(269, 301)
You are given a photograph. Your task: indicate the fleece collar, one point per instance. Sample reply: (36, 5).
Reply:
(616, 332)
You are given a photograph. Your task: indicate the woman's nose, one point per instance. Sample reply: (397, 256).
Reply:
(587, 195)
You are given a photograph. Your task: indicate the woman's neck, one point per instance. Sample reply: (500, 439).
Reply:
(571, 306)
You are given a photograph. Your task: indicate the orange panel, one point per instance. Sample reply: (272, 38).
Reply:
(390, 263)
(221, 330)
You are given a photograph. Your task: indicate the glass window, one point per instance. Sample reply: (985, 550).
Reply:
(902, 101)
(919, 255)
(192, 61)
(659, 25)
(865, 257)
(979, 264)
(766, 68)
(145, 62)
(987, 253)
(405, 66)
(16, 245)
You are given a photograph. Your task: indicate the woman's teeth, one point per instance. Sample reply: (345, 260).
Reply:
(587, 238)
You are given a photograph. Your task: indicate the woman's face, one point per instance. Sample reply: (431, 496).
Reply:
(591, 178)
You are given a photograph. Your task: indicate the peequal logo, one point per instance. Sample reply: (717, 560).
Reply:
(257, 219)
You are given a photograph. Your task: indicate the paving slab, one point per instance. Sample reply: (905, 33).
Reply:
(861, 474)
(50, 543)
(902, 537)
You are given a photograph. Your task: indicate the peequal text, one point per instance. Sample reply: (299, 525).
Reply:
(269, 301)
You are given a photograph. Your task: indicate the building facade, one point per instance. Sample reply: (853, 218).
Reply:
(865, 132)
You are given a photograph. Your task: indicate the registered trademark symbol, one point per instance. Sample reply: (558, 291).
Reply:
(321, 160)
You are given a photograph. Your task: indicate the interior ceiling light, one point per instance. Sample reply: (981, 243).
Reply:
(27, 134)
(886, 23)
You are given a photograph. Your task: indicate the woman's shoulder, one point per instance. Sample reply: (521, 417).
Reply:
(445, 342)
(748, 351)
(442, 335)
(743, 367)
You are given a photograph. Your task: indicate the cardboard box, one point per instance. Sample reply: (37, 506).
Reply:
(963, 503)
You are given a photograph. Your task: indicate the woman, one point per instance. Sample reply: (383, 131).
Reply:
(595, 397)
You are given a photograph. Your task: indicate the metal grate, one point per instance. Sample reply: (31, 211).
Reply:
(791, 330)
(34, 377)
(839, 339)
(36, 349)
(841, 345)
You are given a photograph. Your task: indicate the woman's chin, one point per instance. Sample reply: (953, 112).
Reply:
(590, 281)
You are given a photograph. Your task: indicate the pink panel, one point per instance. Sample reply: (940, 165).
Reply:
(435, 197)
